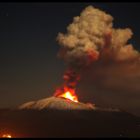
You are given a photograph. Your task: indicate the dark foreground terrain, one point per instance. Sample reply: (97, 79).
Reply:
(54, 123)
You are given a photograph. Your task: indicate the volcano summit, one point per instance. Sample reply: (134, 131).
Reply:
(56, 103)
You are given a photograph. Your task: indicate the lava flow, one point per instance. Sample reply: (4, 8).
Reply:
(67, 93)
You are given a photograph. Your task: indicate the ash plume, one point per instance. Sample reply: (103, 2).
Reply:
(91, 38)
(99, 54)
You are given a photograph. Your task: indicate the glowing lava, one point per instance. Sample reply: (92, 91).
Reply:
(6, 136)
(67, 93)
(69, 96)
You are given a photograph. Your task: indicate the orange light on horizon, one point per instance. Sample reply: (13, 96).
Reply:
(6, 136)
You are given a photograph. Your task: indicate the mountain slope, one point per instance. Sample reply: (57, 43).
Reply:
(69, 123)
(56, 103)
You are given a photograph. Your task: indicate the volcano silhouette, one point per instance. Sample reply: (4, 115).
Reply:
(59, 117)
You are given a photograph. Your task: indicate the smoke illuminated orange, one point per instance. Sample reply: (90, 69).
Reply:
(67, 94)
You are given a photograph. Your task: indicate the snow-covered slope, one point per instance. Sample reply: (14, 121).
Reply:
(56, 103)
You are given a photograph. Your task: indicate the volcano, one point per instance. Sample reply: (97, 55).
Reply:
(56, 103)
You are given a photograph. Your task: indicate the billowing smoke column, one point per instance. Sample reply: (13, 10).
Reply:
(91, 38)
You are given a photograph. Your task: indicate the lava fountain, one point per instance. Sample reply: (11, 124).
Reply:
(67, 93)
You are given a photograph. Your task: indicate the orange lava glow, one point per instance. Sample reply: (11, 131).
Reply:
(68, 94)
(6, 136)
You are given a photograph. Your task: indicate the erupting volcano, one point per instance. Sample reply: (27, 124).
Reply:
(90, 40)
(67, 90)
(94, 92)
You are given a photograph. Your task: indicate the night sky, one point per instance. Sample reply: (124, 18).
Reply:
(29, 67)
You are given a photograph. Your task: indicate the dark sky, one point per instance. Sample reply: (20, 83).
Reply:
(29, 67)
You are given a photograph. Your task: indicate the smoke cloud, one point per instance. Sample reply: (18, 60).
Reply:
(113, 85)
(91, 37)
(93, 48)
